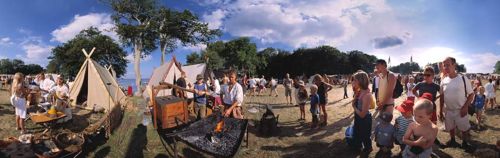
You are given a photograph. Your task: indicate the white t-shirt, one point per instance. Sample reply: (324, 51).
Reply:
(489, 88)
(263, 82)
(252, 82)
(454, 92)
(274, 83)
(216, 87)
(235, 95)
(46, 84)
(410, 87)
(62, 90)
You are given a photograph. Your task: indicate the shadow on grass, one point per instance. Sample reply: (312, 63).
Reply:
(138, 143)
(337, 148)
(103, 152)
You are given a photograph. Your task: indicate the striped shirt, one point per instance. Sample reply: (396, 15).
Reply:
(402, 126)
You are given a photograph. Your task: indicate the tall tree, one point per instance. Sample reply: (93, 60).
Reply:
(184, 27)
(214, 61)
(406, 68)
(67, 58)
(135, 24)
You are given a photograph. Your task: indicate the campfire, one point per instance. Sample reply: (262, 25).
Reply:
(217, 135)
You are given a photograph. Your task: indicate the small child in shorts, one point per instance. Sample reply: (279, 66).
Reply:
(314, 106)
(421, 134)
(384, 134)
(479, 100)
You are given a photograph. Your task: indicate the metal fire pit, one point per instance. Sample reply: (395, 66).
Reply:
(201, 135)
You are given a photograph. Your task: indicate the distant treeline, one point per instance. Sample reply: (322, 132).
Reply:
(12, 66)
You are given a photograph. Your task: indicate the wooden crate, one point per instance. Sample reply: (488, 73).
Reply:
(168, 109)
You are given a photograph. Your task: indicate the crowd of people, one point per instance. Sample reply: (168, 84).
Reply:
(415, 130)
(26, 91)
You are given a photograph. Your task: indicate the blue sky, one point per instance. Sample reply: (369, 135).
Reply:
(425, 29)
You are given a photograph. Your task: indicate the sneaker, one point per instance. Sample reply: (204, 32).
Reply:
(452, 143)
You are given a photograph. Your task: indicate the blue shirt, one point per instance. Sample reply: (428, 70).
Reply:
(479, 101)
(201, 99)
(403, 124)
(384, 134)
(314, 104)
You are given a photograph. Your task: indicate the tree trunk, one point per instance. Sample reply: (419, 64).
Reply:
(137, 65)
(162, 47)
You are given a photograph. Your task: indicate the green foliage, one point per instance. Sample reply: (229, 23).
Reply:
(134, 20)
(460, 68)
(497, 68)
(66, 59)
(406, 68)
(215, 62)
(184, 27)
(8, 66)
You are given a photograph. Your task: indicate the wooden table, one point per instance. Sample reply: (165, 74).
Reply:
(46, 121)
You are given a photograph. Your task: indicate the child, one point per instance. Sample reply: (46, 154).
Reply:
(410, 86)
(421, 134)
(402, 122)
(314, 106)
(302, 100)
(384, 134)
(479, 105)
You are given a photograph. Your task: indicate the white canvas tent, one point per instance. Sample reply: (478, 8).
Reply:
(91, 85)
(168, 72)
(193, 70)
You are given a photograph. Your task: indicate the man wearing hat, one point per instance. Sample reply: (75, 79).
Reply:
(200, 94)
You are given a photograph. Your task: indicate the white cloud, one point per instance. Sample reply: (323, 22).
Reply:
(195, 48)
(474, 62)
(102, 21)
(6, 41)
(130, 58)
(214, 19)
(36, 53)
(295, 22)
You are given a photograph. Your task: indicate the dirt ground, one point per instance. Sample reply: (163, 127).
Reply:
(295, 138)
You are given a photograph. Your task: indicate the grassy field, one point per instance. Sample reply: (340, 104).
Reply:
(132, 139)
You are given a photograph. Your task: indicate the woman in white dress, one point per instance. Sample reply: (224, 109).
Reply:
(19, 92)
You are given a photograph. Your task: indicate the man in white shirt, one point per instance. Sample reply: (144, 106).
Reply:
(273, 84)
(262, 85)
(233, 97)
(490, 93)
(253, 86)
(456, 96)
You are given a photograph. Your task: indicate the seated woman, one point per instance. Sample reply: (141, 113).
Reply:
(61, 95)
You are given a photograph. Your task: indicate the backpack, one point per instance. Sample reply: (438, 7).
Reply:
(398, 89)
(349, 136)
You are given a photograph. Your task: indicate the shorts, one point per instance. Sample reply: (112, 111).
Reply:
(201, 110)
(426, 153)
(453, 119)
(20, 105)
(217, 101)
(490, 95)
(288, 92)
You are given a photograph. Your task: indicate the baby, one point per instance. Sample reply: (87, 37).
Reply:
(421, 134)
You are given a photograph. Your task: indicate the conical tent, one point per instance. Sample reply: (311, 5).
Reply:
(95, 85)
(168, 72)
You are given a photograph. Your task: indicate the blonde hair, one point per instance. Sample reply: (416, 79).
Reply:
(362, 78)
(314, 89)
(318, 77)
(424, 104)
(16, 81)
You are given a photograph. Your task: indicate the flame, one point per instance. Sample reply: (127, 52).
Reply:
(219, 127)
